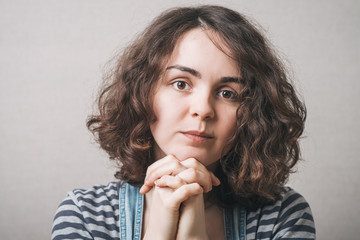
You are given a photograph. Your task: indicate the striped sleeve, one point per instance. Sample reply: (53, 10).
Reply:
(88, 214)
(289, 218)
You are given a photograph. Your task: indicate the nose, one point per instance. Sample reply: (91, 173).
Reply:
(202, 106)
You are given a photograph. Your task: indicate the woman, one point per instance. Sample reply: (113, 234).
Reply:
(204, 125)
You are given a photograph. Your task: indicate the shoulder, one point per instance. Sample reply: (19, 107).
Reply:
(88, 213)
(288, 217)
(98, 196)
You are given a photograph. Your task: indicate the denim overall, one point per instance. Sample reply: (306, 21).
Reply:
(131, 208)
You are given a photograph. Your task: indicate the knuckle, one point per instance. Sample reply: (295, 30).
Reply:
(184, 188)
(150, 169)
(192, 174)
(178, 180)
(193, 161)
(171, 157)
(193, 187)
(173, 165)
(209, 179)
(197, 187)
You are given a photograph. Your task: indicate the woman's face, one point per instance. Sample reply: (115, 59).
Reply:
(195, 102)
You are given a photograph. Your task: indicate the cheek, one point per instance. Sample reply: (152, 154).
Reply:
(228, 127)
(160, 110)
(164, 114)
(168, 107)
(228, 120)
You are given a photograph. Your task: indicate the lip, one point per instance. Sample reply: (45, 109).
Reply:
(197, 137)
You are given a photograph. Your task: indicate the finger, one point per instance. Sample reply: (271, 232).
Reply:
(173, 182)
(145, 189)
(168, 165)
(215, 181)
(192, 175)
(184, 192)
(193, 163)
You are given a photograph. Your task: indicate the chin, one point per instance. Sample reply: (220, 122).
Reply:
(206, 160)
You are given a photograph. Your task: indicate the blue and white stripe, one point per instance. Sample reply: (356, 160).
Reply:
(94, 214)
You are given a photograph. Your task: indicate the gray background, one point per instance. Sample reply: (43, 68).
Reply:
(52, 58)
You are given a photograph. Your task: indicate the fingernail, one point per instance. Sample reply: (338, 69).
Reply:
(218, 182)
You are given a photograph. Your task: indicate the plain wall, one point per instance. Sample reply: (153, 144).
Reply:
(52, 59)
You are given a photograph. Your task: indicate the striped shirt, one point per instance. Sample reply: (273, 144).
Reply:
(94, 214)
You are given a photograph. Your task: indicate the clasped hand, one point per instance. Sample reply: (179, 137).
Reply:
(177, 204)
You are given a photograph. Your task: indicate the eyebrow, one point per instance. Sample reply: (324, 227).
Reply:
(185, 69)
(198, 75)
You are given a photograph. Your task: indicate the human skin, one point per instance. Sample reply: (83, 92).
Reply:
(195, 108)
(195, 102)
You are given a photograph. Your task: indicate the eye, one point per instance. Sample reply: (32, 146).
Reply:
(227, 94)
(181, 85)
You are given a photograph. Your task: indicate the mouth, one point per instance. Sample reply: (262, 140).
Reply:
(197, 137)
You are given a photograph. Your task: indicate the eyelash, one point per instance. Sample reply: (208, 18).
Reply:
(175, 85)
(233, 94)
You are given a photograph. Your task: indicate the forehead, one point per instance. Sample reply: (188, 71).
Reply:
(201, 34)
(205, 51)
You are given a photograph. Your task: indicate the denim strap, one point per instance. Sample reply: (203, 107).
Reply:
(131, 204)
(235, 223)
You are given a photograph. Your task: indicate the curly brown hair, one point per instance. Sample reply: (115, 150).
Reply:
(270, 116)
